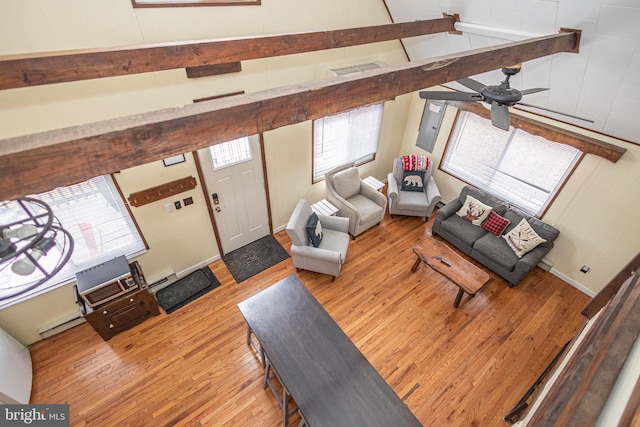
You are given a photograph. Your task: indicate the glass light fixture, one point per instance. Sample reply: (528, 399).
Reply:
(28, 232)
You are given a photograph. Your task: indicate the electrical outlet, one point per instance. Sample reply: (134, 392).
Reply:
(168, 207)
(585, 269)
(177, 204)
(188, 201)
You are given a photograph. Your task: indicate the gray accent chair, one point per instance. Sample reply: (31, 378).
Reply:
(411, 203)
(364, 206)
(332, 252)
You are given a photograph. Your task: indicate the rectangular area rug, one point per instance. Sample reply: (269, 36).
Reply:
(187, 289)
(255, 257)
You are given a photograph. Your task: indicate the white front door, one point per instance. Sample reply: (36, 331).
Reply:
(234, 180)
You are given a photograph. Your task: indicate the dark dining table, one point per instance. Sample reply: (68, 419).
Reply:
(331, 381)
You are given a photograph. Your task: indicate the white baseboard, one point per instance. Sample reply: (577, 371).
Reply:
(61, 325)
(187, 271)
(573, 283)
(279, 229)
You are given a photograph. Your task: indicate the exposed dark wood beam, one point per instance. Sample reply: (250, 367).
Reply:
(583, 387)
(39, 162)
(213, 70)
(584, 143)
(66, 66)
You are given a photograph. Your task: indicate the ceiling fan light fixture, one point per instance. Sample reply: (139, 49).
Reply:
(27, 265)
(28, 232)
(499, 97)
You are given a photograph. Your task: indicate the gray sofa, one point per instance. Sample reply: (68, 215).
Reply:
(488, 249)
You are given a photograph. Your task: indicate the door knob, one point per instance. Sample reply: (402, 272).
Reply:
(217, 208)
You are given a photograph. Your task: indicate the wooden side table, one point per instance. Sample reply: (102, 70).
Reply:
(323, 207)
(373, 183)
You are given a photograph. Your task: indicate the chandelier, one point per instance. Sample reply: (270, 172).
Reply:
(32, 242)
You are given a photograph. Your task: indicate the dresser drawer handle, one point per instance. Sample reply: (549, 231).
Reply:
(104, 312)
(131, 299)
(111, 326)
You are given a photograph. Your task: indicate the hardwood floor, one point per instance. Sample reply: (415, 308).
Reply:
(458, 367)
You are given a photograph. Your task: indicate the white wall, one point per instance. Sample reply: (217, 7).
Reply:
(181, 239)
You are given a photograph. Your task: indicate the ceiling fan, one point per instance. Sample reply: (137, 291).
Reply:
(499, 97)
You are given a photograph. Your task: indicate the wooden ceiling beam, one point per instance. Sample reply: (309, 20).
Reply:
(65, 66)
(39, 162)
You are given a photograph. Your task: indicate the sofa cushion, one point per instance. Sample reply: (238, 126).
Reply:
(413, 181)
(474, 210)
(462, 229)
(497, 250)
(495, 224)
(544, 230)
(336, 241)
(314, 230)
(369, 210)
(347, 182)
(496, 204)
(412, 201)
(522, 238)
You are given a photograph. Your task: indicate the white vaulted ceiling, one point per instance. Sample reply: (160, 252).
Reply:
(601, 83)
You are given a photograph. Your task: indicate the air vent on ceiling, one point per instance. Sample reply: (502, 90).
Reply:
(354, 69)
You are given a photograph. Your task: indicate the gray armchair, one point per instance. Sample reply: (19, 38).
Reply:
(364, 206)
(411, 203)
(329, 256)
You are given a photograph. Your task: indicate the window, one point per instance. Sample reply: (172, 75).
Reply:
(94, 214)
(524, 169)
(173, 3)
(231, 152)
(348, 137)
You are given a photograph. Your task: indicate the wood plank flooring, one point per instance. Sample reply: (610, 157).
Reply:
(453, 367)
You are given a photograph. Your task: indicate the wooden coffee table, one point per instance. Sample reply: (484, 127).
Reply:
(447, 262)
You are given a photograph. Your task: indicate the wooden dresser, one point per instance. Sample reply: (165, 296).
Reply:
(124, 312)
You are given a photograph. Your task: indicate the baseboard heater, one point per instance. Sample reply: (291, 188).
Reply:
(61, 325)
(545, 264)
(165, 280)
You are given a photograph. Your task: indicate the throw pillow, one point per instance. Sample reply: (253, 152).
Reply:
(474, 210)
(495, 223)
(314, 230)
(522, 238)
(413, 181)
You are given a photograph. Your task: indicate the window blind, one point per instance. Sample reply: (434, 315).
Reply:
(348, 137)
(524, 169)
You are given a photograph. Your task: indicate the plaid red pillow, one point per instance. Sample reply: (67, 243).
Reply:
(495, 224)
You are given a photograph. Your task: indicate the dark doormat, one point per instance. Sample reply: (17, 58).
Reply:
(187, 289)
(255, 257)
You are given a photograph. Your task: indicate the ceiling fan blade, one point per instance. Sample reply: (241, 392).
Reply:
(534, 90)
(472, 84)
(554, 111)
(500, 116)
(451, 96)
